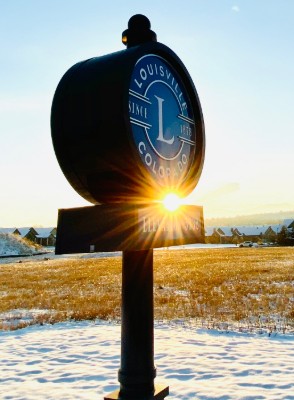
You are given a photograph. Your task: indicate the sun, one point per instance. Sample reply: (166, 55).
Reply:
(171, 202)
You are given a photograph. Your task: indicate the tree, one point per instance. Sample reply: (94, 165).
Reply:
(286, 237)
(282, 236)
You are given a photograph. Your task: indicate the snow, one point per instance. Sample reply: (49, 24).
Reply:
(80, 360)
(13, 245)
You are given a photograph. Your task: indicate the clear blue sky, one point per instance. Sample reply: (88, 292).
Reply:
(239, 54)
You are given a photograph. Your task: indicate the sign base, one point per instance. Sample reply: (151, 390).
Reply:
(161, 391)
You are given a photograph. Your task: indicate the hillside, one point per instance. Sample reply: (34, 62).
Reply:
(253, 219)
(13, 245)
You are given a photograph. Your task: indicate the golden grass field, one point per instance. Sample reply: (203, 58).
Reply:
(253, 286)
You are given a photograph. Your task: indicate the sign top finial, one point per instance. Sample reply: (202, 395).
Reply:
(138, 31)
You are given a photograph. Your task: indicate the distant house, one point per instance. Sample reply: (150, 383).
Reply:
(208, 233)
(288, 223)
(222, 235)
(212, 235)
(46, 236)
(225, 234)
(254, 233)
(238, 234)
(271, 233)
(42, 236)
(26, 233)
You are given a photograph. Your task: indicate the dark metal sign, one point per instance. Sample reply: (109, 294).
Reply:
(128, 126)
(126, 227)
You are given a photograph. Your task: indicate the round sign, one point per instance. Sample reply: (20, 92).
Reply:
(128, 126)
(162, 120)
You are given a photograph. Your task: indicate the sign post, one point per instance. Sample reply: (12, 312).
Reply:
(137, 371)
(125, 159)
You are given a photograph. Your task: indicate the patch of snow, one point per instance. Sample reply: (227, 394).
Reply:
(80, 361)
(14, 245)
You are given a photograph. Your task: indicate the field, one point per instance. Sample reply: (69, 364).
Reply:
(246, 288)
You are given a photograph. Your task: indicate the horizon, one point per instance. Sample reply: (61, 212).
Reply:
(238, 55)
(273, 217)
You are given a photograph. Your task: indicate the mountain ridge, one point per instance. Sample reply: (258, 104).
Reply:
(271, 218)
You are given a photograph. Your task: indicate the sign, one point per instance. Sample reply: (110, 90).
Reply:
(162, 120)
(126, 227)
(128, 126)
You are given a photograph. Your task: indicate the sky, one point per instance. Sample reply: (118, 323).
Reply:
(239, 54)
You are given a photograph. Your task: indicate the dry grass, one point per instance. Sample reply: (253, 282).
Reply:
(255, 286)
(247, 286)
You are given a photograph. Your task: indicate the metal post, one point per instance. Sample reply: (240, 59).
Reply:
(137, 370)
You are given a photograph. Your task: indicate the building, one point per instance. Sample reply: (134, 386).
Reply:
(222, 235)
(42, 236)
(254, 233)
(26, 233)
(46, 236)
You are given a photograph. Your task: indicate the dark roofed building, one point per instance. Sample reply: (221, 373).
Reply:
(26, 233)
(46, 236)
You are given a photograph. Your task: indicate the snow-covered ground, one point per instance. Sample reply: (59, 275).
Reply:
(81, 360)
(14, 245)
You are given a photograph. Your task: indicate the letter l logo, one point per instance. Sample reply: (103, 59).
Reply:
(160, 123)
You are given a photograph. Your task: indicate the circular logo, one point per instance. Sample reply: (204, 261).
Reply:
(162, 120)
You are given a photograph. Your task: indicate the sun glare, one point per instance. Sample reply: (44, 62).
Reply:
(172, 202)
